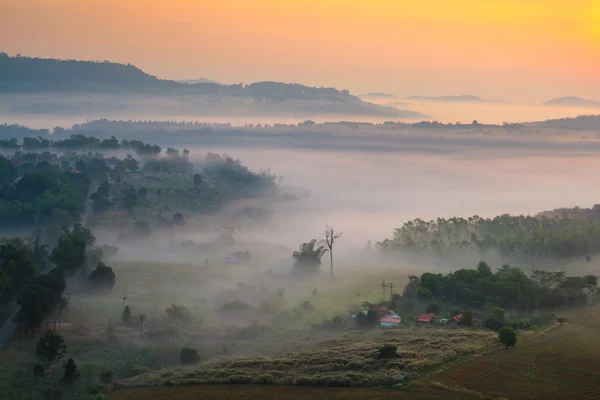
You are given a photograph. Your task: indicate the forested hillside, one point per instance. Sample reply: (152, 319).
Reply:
(512, 236)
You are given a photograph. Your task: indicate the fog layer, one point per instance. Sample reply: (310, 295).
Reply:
(368, 194)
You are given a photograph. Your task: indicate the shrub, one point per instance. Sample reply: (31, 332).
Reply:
(234, 306)
(188, 356)
(70, 374)
(106, 377)
(507, 336)
(307, 306)
(561, 320)
(240, 379)
(264, 379)
(179, 313)
(102, 278)
(38, 371)
(52, 394)
(126, 316)
(387, 351)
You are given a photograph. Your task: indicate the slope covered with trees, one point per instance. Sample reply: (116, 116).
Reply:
(512, 236)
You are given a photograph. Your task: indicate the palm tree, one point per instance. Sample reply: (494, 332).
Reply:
(308, 257)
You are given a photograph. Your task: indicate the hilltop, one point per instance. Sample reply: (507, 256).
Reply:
(199, 80)
(378, 95)
(126, 88)
(572, 101)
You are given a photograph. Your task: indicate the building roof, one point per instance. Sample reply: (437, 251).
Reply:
(457, 318)
(426, 317)
(391, 320)
(383, 309)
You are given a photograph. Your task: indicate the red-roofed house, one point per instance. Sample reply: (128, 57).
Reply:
(427, 318)
(456, 320)
(382, 309)
(390, 322)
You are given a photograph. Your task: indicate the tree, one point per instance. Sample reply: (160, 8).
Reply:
(467, 319)
(188, 356)
(129, 198)
(70, 252)
(102, 278)
(387, 351)
(308, 257)
(70, 374)
(507, 336)
(179, 219)
(126, 316)
(51, 348)
(142, 319)
(178, 313)
(131, 164)
(330, 237)
(197, 180)
(142, 229)
(434, 307)
(40, 298)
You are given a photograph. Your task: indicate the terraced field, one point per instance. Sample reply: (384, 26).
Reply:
(560, 363)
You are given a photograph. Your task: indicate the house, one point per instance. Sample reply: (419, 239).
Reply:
(390, 322)
(454, 321)
(230, 259)
(383, 309)
(392, 314)
(427, 318)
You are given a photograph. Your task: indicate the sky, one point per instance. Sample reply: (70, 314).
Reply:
(517, 50)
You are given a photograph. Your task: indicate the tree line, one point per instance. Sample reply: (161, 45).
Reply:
(508, 287)
(36, 277)
(512, 236)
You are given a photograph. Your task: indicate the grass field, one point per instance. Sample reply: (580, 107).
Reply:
(560, 362)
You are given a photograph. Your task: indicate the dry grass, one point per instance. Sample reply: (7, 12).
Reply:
(348, 360)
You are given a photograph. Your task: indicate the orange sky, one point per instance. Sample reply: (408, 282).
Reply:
(517, 50)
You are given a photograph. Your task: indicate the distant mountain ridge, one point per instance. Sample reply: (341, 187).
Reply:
(378, 95)
(81, 78)
(200, 80)
(572, 101)
(466, 98)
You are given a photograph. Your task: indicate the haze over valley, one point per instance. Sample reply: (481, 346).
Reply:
(299, 200)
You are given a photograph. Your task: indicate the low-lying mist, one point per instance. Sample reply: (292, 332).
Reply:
(368, 194)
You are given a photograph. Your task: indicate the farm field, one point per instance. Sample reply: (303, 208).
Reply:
(256, 392)
(560, 363)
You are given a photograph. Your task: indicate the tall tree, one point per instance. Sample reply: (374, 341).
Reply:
(330, 238)
(51, 348)
(70, 252)
(308, 257)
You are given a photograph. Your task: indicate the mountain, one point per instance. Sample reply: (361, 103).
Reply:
(467, 98)
(64, 86)
(571, 101)
(200, 80)
(581, 123)
(377, 95)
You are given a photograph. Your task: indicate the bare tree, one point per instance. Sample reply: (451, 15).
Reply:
(330, 237)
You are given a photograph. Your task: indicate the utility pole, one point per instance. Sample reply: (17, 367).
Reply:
(391, 286)
(383, 286)
(124, 299)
